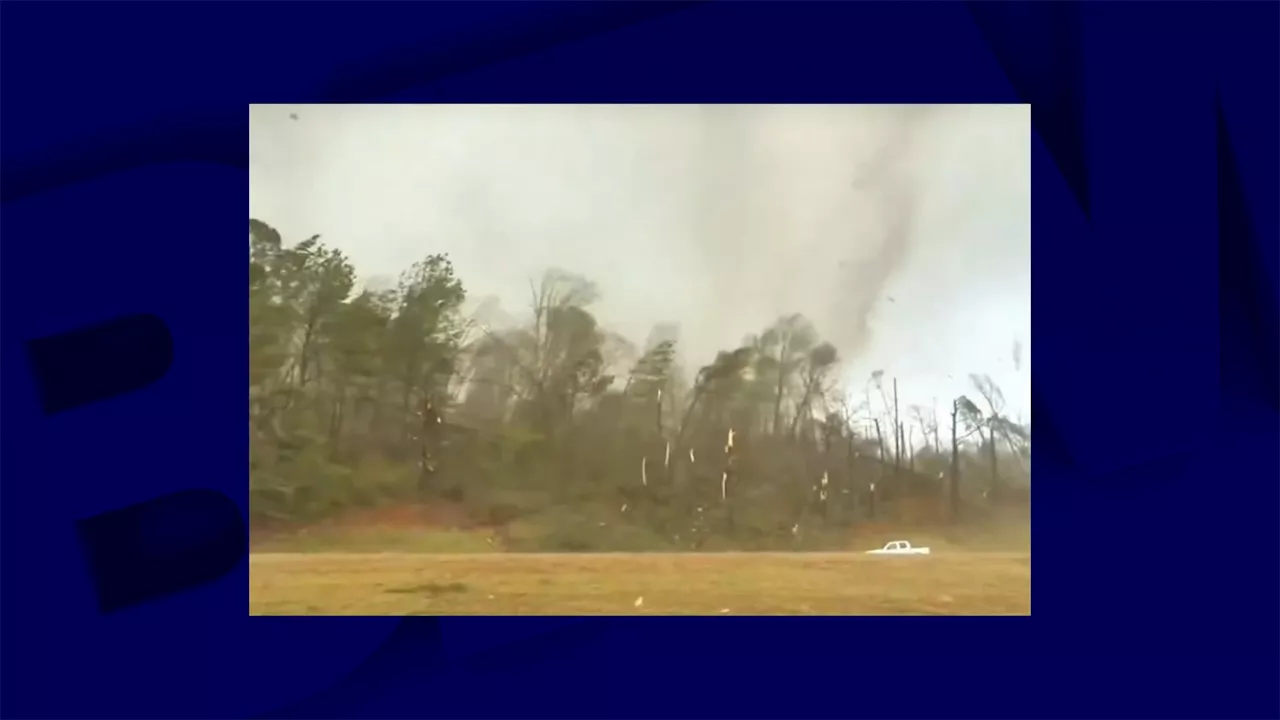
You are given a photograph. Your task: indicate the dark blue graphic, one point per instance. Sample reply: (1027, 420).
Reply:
(161, 546)
(123, 180)
(100, 362)
(1039, 46)
(1247, 307)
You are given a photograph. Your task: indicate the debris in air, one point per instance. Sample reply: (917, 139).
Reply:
(899, 547)
(639, 601)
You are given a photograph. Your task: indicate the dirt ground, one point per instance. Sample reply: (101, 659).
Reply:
(953, 582)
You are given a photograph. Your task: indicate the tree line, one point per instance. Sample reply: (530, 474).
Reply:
(359, 398)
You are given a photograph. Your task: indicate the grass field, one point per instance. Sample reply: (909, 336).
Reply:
(946, 583)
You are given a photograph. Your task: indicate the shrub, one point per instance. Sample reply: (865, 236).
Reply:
(569, 530)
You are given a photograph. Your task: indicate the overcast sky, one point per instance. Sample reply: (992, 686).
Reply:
(904, 233)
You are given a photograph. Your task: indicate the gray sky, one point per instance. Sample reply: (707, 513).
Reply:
(721, 218)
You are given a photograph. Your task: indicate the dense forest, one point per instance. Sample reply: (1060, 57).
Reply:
(368, 398)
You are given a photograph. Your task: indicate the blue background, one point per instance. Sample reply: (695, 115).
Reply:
(1155, 399)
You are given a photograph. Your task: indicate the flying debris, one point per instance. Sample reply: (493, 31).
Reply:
(640, 601)
(293, 116)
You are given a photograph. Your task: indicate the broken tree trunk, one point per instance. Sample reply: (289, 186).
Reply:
(727, 481)
(897, 427)
(955, 463)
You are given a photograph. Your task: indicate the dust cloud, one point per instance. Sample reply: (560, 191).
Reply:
(902, 232)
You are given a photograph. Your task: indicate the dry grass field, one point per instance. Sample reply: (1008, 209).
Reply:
(950, 582)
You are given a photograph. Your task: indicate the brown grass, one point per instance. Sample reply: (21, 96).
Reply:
(946, 583)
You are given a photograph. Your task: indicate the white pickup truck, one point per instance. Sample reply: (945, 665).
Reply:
(899, 547)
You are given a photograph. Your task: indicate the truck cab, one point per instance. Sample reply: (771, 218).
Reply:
(899, 547)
